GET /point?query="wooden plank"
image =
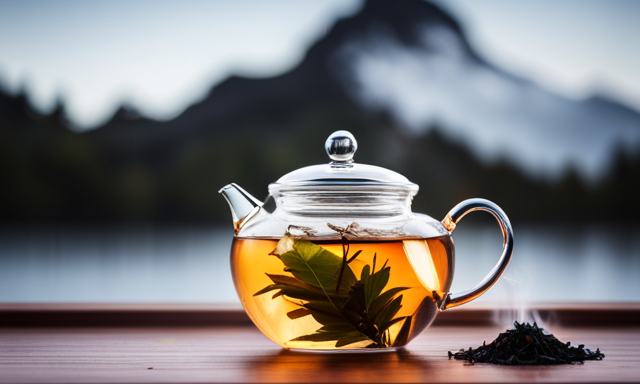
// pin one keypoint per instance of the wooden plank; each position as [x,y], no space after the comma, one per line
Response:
[242,354]
[93,315]
[74,315]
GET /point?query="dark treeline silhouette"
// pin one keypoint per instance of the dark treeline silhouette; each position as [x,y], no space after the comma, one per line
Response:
[54,175]
[252,131]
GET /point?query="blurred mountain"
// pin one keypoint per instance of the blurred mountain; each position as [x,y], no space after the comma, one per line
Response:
[399,75]
[434,75]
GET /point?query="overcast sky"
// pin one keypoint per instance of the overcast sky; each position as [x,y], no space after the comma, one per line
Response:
[161,56]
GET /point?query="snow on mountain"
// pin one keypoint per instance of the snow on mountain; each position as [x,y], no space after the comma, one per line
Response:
[439,79]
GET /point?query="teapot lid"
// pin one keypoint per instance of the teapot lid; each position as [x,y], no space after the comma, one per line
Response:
[342,172]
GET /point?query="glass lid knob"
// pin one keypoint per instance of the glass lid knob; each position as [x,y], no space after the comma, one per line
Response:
[341,146]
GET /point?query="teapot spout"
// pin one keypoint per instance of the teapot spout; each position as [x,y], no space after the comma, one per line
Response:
[243,205]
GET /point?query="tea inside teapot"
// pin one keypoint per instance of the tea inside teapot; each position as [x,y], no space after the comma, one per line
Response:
[342,292]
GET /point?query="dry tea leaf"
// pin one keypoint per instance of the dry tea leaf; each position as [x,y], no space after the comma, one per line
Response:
[527,344]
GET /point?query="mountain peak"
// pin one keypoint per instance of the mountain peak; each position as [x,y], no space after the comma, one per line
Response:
[402,20]
[405,15]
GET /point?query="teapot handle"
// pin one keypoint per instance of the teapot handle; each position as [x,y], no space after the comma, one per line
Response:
[450,222]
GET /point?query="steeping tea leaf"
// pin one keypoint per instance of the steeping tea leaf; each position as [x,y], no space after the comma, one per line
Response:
[383,320]
[382,300]
[403,335]
[373,284]
[350,338]
[349,310]
[293,288]
[315,265]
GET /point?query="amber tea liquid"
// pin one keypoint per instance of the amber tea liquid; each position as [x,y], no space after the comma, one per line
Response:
[424,266]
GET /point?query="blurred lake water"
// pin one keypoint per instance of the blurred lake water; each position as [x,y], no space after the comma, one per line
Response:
[189,265]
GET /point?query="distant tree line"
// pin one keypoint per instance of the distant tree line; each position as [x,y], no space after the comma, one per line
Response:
[122,172]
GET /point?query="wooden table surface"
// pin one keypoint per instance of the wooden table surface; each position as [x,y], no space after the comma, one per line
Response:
[243,354]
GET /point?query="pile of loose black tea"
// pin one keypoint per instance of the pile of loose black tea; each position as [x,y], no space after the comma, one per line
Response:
[526,344]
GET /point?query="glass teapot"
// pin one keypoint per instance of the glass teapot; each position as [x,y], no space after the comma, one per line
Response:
[342,262]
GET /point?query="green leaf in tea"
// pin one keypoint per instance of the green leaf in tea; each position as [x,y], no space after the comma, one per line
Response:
[315,265]
[349,310]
